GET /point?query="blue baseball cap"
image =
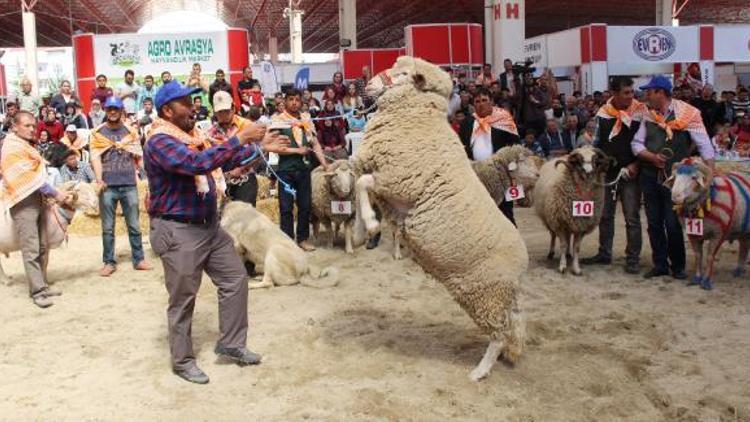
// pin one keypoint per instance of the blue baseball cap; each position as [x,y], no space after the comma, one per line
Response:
[658,82]
[172,91]
[113,102]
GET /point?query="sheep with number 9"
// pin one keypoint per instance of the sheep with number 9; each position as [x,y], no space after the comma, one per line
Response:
[715,208]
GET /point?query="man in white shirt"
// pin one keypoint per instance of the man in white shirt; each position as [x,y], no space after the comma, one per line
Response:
[128,92]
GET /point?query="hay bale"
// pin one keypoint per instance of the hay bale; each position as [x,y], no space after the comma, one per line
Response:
[142,186]
[269,208]
[84,225]
[726,166]
[264,188]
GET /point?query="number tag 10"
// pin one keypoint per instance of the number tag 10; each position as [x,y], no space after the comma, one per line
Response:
[514,193]
[694,226]
[583,208]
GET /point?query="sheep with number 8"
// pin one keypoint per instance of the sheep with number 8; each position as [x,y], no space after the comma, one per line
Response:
[569,198]
[715,208]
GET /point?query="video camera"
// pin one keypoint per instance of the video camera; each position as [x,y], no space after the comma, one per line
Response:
[524,68]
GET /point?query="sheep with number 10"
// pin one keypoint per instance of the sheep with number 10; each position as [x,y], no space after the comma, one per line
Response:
[716,208]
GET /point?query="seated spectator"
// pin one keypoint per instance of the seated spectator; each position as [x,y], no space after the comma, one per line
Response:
[552,142]
[7,122]
[331,132]
[587,136]
[357,122]
[723,140]
[51,125]
[255,96]
[44,142]
[255,114]
[96,115]
[458,118]
[330,94]
[556,112]
[200,112]
[73,141]
[351,100]
[73,169]
[741,134]
[338,86]
[530,142]
[570,130]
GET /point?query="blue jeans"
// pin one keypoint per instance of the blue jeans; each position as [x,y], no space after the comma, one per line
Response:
[127,196]
[664,229]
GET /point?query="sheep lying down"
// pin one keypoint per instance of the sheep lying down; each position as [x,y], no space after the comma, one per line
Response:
[415,168]
[258,240]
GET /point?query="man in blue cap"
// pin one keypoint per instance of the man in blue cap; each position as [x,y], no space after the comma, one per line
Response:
[185,231]
[116,156]
[671,130]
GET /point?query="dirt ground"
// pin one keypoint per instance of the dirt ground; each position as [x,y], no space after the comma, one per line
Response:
[387,343]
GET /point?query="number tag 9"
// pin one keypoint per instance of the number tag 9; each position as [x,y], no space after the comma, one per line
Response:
[514,193]
[583,208]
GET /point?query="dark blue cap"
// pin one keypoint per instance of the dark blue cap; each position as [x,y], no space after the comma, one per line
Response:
[113,102]
[658,82]
[171,91]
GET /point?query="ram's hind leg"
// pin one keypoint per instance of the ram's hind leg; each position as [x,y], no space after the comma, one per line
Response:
[564,247]
[575,249]
[552,238]
[488,361]
[4,279]
[742,257]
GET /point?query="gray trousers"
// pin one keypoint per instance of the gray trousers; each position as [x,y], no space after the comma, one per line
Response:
[186,251]
[629,192]
[28,218]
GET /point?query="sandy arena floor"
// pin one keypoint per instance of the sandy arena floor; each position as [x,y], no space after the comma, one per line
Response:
[387,344]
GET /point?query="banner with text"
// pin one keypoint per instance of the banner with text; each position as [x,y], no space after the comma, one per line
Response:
[155,53]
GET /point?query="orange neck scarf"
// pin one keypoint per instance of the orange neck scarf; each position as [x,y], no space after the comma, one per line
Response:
[635,112]
[499,119]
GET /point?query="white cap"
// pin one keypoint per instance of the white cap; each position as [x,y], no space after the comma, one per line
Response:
[71,128]
[222,101]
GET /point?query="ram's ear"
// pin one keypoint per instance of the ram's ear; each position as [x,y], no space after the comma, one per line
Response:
[512,166]
[669,182]
[419,81]
[700,181]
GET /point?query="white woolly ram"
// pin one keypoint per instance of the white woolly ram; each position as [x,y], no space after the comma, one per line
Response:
[409,162]
[336,185]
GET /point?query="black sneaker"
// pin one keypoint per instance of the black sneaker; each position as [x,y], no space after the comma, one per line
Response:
[656,272]
[679,275]
[597,259]
[632,268]
[240,355]
[194,375]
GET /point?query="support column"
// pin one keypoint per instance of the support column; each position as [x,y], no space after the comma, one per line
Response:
[295,31]
[505,31]
[665,12]
[348,23]
[29,43]
[273,48]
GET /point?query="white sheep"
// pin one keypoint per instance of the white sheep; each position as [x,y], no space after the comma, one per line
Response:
[717,208]
[573,184]
[260,241]
[510,166]
[333,201]
[415,167]
[56,218]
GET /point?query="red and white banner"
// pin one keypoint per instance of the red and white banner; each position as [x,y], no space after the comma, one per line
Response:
[505,31]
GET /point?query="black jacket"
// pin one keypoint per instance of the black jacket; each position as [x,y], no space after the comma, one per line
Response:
[500,138]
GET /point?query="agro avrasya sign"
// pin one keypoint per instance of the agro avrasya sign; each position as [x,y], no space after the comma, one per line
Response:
[155,53]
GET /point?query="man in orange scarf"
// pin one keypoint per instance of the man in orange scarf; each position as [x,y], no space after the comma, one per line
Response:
[670,132]
[486,131]
[617,121]
[24,188]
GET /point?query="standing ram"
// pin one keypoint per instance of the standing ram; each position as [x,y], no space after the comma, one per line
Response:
[414,166]
[569,199]
[333,201]
[716,209]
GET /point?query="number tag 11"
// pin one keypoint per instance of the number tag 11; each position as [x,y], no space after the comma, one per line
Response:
[694,226]
[583,208]
[514,193]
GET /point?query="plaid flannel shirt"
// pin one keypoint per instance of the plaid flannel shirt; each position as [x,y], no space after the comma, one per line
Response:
[171,167]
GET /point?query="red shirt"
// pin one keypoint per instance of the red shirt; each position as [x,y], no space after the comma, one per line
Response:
[55,129]
[101,94]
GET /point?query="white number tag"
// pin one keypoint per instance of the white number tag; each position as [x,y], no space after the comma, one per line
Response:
[341,207]
[514,193]
[694,226]
[583,208]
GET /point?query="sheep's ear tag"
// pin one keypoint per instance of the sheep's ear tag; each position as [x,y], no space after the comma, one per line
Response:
[512,166]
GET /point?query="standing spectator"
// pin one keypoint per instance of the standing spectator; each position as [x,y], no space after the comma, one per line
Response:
[63,98]
[708,106]
[52,126]
[115,157]
[362,84]
[247,82]
[486,78]
[552,142]
[194,81]
[196,73]
[166,77]
[96,115]
[147,115]
[686,133]
[725,111]
[219,84]
[148,90]
[508,79]
[533,105]
[73,117]
[331,132]
[200,112]
[330,95]
[338,86]
[294,169]
[127,91]
[26,99]
[741,105]
[75,170]
[351,100]
[12,109]
[486,131]
[102,91]
[556,111]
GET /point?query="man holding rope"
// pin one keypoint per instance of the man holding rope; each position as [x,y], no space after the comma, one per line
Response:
[185,229]
[617,122]
[671,130]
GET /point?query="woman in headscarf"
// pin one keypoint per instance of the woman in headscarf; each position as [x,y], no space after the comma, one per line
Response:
[331,132]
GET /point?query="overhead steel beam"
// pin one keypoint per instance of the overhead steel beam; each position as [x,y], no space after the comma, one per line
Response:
[95,11]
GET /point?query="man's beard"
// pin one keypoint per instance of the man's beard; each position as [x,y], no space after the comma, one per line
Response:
[186,125]
[558,112]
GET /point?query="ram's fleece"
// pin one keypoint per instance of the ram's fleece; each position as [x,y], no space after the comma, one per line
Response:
[512,165]
[335,185]
[578,176]
[413,164]
[258,240]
